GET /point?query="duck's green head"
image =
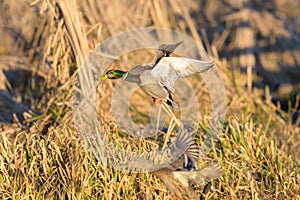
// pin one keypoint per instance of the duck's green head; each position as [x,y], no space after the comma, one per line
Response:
[113,74]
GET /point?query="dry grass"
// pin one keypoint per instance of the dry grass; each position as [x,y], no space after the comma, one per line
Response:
[41,154]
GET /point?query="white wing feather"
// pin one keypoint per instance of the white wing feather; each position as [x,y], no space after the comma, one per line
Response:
[170,68]
[186,66]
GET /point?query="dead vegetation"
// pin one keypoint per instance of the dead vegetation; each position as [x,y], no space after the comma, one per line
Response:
[256,46]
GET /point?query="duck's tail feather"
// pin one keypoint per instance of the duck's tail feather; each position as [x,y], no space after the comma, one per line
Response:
[171,102]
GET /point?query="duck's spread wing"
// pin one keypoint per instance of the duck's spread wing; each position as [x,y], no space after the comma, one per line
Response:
[165,50]
[170,68]
[169,48]
[186,66]
[212,171]
[183,140]
[199,177]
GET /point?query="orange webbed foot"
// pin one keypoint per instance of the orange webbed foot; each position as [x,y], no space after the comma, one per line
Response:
[157,101]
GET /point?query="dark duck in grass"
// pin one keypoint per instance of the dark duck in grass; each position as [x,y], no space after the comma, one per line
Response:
[176,176]
[158,79]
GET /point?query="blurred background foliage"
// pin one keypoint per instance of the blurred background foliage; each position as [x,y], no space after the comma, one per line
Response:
[256,45]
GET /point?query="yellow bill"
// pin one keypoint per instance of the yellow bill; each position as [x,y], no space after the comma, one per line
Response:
[104,77]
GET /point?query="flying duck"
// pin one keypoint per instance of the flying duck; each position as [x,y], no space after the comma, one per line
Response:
[176,176]
[158,79]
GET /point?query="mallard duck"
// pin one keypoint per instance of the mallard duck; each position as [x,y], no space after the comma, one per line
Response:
[158,79]
[175,176]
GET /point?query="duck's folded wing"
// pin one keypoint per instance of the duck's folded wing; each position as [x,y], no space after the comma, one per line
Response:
[170,68]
